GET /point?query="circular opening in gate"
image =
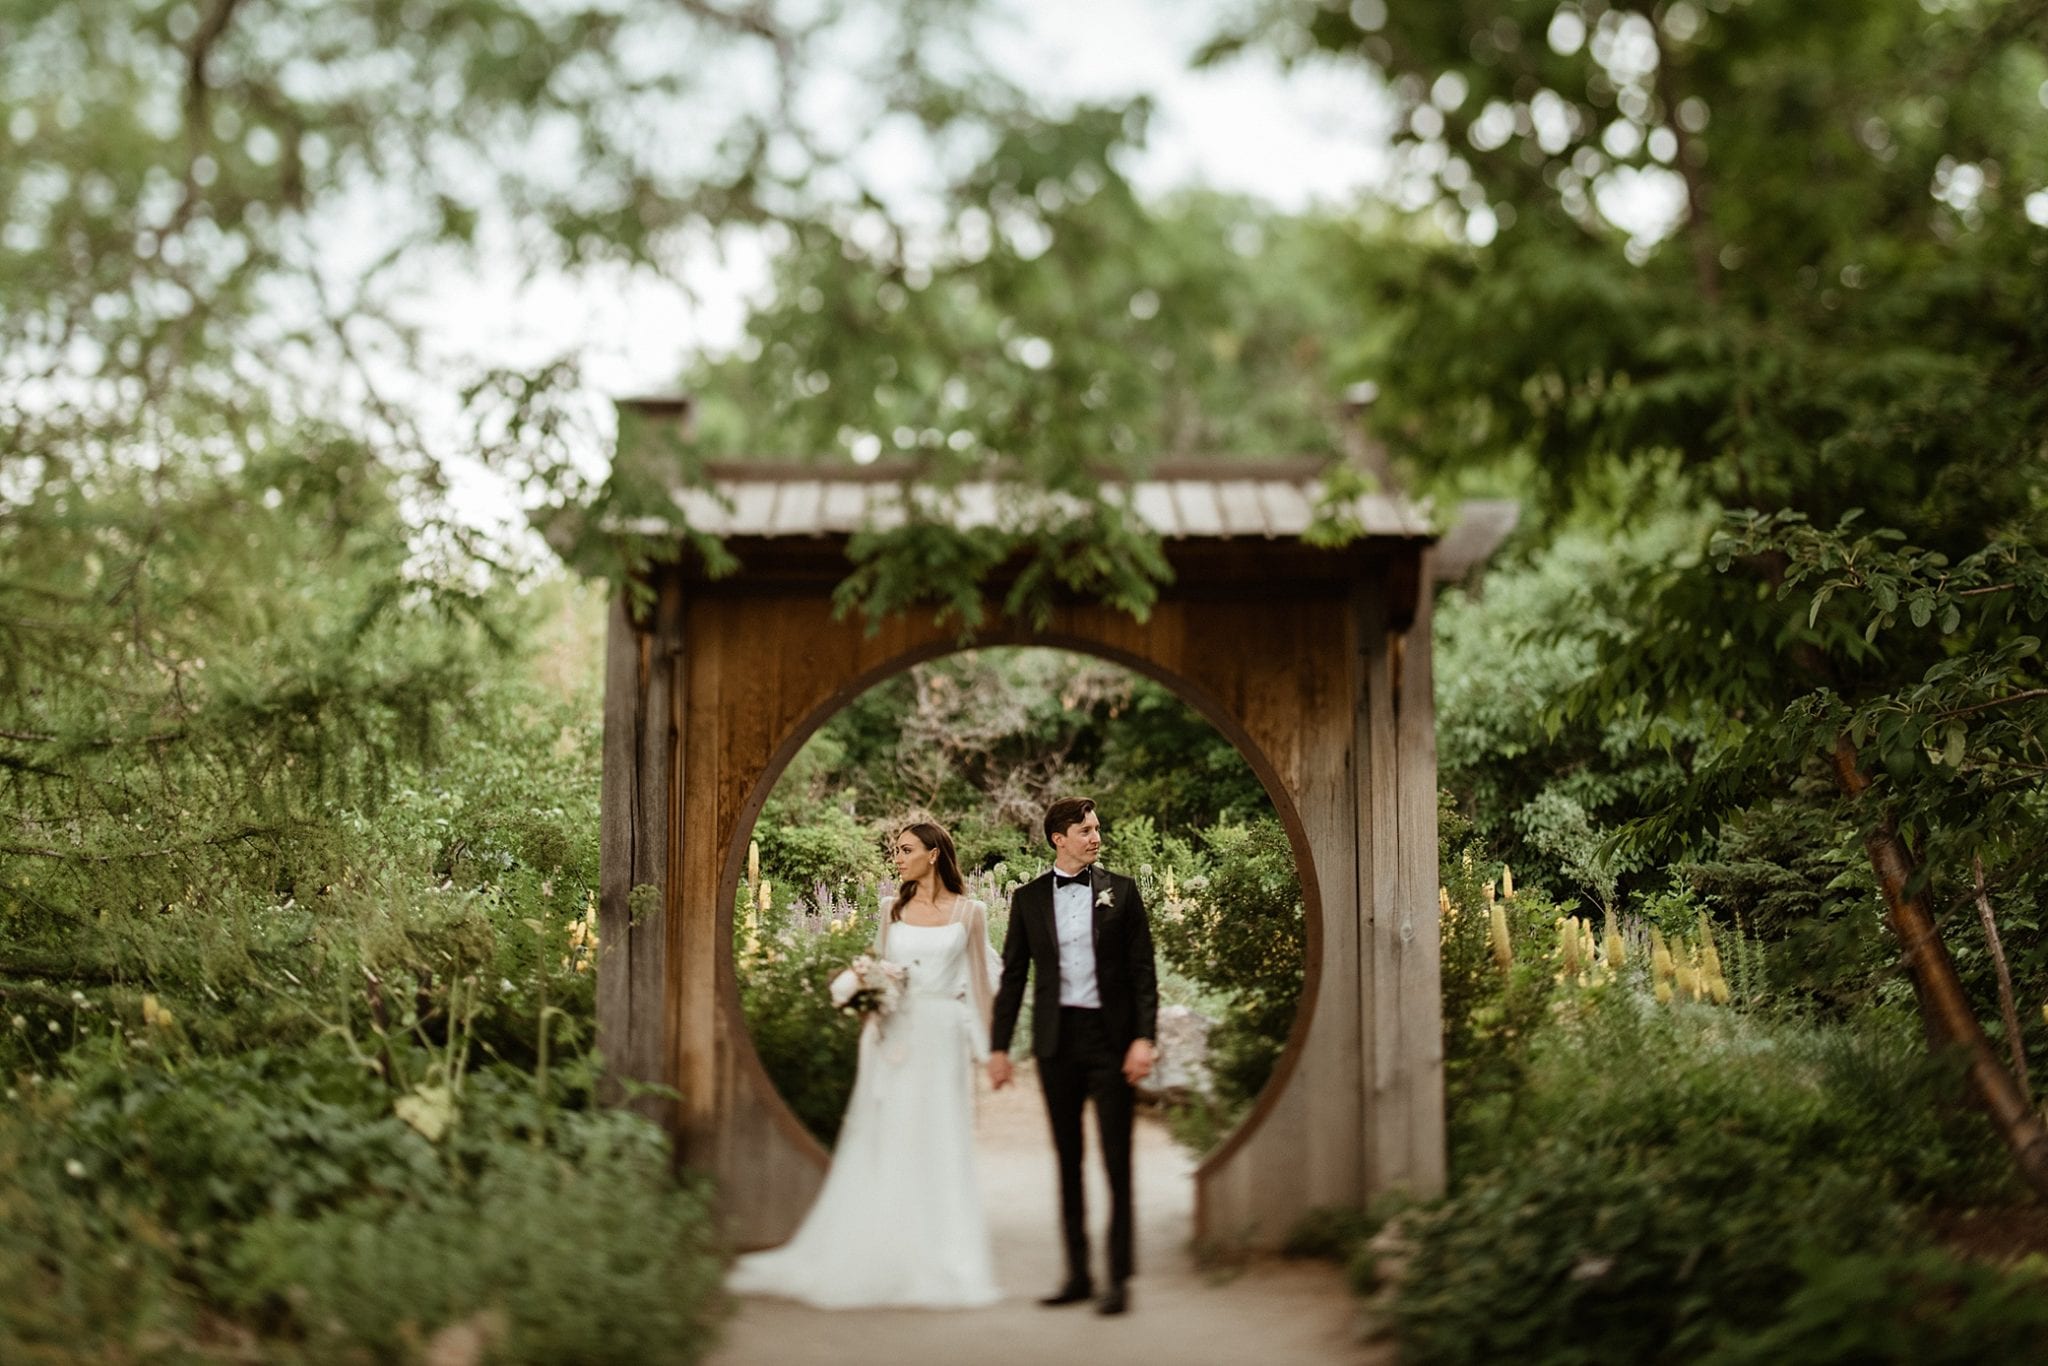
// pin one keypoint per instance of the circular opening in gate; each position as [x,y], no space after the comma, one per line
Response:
[982,741]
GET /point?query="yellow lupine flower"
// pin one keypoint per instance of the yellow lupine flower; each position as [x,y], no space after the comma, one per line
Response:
[1503,947]
[1568,944]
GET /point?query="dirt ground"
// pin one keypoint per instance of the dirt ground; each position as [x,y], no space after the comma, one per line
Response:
[1272,1312]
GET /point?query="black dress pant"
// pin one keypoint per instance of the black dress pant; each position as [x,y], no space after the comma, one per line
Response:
[1085,1066]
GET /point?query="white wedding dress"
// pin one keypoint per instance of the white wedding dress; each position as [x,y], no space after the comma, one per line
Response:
[899,1221]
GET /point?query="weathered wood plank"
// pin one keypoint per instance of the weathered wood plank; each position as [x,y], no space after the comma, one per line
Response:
[1243,513]
[753,507]
[1419,1015]
[797,508]
[1333,1157]
[691,1000]
[655,845]
[1382,1082]
[845,505]
[617,829]
[1290,702]
[1199,513]
[1154,507]
[1288,510]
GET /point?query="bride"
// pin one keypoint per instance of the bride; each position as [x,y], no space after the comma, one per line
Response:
[899,1220]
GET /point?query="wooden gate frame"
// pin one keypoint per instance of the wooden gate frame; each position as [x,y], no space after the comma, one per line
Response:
[1316,663]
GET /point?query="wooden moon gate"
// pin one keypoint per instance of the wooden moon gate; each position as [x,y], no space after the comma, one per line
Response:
[1316,664]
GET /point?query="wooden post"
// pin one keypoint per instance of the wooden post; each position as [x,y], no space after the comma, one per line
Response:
[636,847]
[1402,1018]
[1418,1010]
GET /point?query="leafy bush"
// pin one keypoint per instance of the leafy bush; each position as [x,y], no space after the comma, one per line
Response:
[1238,929]
[148,1192]
[1924,1308]
[588,1251]
[85,1276]
[1654,1173]
[808,1048]
[206,1144]
[808,832]
[1491,1016]
[1587,1251]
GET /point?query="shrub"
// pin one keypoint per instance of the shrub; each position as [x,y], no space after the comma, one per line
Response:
[86,1276]
[205,1144]
[817,843]
[144,1193]
[1239,930]
[1654,1174]
[1589,1252]
[1923,1308]
[808,1048]
[588,1251]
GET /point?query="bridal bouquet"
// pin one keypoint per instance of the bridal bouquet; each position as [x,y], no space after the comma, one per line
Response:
[870,986]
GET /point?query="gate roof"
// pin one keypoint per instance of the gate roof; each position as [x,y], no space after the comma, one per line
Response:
[1210,500]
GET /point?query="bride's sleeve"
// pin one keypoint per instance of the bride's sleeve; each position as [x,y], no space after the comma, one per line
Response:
[983,971]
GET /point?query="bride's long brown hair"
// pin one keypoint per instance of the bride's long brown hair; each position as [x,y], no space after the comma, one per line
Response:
[933,836]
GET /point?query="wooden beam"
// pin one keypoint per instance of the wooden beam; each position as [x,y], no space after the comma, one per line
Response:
[1417,1011]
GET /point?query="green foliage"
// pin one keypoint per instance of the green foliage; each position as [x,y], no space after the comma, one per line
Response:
[527,1251]
[1333,1231]
[808,1048]
[1662,1175]
[284,1187]
[207,1144]
[809,835]
[1923,1307]
[1162,758]
[1238,929]
[991,737]
[1491,1017]
[1575,1252]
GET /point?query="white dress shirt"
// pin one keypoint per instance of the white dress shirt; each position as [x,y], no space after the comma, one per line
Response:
[1073,914]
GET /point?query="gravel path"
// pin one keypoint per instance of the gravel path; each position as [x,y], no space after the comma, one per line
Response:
[1272,1312]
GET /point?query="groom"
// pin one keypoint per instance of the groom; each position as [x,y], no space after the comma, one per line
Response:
[1093,1013]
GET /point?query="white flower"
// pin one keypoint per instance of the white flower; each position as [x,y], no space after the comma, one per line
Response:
[870,984]
[1103,897]
[74,1169]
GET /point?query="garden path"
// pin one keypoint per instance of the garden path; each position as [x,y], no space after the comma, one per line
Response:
[1272,1312]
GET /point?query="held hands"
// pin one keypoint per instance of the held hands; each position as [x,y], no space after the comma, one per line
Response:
[1138,1063]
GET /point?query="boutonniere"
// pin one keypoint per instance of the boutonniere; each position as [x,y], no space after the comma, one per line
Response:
[1104,897]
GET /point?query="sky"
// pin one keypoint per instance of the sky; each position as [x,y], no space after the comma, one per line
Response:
[1317,134]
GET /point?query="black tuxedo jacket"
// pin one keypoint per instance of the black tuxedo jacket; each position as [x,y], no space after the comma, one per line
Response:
[1126,977]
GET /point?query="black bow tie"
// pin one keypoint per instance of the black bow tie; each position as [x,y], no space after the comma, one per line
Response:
[1060,879]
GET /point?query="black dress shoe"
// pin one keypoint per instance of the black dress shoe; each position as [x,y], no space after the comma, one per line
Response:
[1113,1300]
[1073,1292]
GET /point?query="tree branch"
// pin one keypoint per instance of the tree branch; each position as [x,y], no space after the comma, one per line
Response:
[2006,1008]
[2030,695]
[120,855]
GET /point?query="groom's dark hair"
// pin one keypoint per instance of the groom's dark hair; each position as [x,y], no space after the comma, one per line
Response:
[1064,814]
